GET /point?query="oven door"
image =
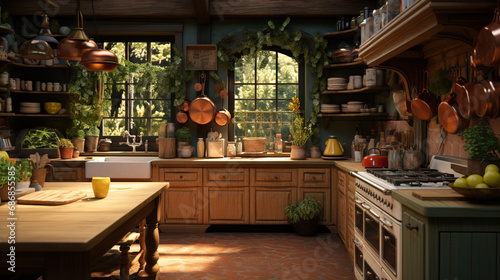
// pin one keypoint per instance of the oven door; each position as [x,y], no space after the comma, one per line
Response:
[358,215]
[391,246]
[372,227]
[359,258]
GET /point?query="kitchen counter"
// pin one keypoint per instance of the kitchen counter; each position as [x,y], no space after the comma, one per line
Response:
[448,208]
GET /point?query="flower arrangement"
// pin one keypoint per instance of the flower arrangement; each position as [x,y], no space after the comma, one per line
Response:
[299,130]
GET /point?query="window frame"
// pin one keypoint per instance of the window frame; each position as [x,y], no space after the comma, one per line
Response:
[301,85]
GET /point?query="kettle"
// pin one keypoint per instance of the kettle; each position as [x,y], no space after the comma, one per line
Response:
[374,160]
[333,147]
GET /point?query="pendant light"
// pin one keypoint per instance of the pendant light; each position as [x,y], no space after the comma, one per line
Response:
[45,33]
[99,59]
[77,42]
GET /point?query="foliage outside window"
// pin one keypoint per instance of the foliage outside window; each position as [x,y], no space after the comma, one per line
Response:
[133,99]
[264,85]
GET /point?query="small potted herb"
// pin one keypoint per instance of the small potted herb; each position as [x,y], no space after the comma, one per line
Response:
[183,137]
[66,148]
[42,140]
[78,139]
[92,139]
[482,144]
[304,216]
[9,175]
[24,170]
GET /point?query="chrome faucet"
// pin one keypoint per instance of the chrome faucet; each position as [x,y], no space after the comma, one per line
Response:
[132,144]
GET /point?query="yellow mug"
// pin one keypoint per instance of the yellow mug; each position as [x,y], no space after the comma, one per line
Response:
[100,186]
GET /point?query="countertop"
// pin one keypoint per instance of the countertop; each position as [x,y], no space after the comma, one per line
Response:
[448,208]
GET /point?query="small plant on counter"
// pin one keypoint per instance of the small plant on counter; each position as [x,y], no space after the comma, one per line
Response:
[299,129]
[65,143]
[482,142]
[6,166]
[40,138]
[92,131]
[183,134]
[24,169]
[304,216]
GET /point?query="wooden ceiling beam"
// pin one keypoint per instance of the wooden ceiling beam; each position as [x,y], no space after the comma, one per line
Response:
[202,12]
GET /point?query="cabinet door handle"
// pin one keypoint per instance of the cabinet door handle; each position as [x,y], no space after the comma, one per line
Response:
[223,176]
[180,176]
[410,227]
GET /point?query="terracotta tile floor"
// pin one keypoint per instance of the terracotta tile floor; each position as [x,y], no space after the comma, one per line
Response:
[253,255]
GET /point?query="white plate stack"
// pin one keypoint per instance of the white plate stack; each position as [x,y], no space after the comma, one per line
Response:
[330,108]
[336,83]
[354,106]
[29,107]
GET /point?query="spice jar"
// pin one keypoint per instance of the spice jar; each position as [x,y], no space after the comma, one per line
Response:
[231,149]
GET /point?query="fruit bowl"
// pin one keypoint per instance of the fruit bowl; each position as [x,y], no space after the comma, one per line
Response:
[478,194]
[52,107]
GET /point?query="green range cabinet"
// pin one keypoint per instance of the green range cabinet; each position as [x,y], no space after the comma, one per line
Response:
[449,239]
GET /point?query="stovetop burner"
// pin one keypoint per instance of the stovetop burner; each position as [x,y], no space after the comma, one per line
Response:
[411,177]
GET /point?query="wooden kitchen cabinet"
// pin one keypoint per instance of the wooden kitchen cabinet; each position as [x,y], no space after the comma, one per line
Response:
[449,239]
[226,195]
[341,191]
[322,195]
[267,204]
[67,171]
[276,177]
[314,177]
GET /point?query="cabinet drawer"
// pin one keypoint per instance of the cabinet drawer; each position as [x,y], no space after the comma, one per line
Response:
[274,177]
[226,177]
[181,177]
[314,177]
[341,181]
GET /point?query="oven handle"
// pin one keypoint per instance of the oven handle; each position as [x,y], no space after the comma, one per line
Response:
[356,200]
[386,222]
[356,242]
[376,186]
[364,205]
[375,214]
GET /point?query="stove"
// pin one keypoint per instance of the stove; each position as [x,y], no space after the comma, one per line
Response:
[378,216]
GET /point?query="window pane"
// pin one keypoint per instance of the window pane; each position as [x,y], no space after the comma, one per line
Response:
[288,69]
[266,92]
[244,92]
[266,65]
[160,53]
[117,48]
[244,105]
[138,52]
[266,105]
[244,70]
[155,125]
[160,108]
[287,92]
[283,105]
[113,127]
[141,124]
[140,109]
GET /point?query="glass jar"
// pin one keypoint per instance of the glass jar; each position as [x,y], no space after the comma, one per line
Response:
[200,148]
[376,21]
[231,149]
[170,130]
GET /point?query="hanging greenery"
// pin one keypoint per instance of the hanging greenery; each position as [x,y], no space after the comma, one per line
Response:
[303,48]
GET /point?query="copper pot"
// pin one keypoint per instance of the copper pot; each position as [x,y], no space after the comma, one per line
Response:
[181,117]
[449,115]
[487,50]
[223,117]
[425,106]
[465,98]
[484,91]
[202,109]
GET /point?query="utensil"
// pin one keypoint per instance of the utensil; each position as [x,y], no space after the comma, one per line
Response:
[425,105]
[449,115]
[374,160]
[394,159]
[487,50]
[484,92]
[412,159]
[202,109]
[181,116]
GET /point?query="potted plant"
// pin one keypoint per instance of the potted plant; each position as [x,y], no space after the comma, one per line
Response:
[77,137]
[42,140]
[92,139]
[66,148]
[482,144]
[24,170]
[9,176]
[300,131]
[183,137]
[304,216]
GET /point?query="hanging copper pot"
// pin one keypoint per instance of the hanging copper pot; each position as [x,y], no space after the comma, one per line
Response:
[465,99]
[223,117]
[185,104]
[487,50]
[484,91]
[181,116]
[202,109]
[425,106]
[450,117]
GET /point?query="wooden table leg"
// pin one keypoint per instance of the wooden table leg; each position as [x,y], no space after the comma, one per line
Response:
[151,255]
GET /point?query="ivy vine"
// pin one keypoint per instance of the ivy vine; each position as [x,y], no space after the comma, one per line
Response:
[311,51]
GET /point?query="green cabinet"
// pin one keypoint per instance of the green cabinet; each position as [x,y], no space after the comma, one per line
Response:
[446,241]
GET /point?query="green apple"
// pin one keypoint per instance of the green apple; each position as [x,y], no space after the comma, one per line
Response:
[491,167]
[461,183]
[474,179]
[492,179]
[482,186]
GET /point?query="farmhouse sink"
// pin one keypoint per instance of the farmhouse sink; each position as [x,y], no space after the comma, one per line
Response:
[119,167]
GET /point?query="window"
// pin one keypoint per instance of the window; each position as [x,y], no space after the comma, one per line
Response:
[130,103]
[263,88]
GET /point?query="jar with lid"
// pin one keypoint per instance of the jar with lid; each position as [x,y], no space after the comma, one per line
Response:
[239,146]
[376,21]
[278,144]
[200,148]
[369,27]
[170,130]
[231,149]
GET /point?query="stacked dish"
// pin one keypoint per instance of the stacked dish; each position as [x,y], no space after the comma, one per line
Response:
[330,108]
[354,106]
[336,83]
[29,107]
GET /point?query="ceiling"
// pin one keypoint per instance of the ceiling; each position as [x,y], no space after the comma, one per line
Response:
[204,11]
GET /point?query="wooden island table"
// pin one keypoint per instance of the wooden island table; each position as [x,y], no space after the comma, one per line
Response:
[63,241]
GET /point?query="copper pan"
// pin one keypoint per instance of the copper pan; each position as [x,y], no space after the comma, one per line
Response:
[185,104]
[425,106]
[202,109]
[223,117]
[465,99]
[485,94]
[181,116]
[449,115]
[487,50]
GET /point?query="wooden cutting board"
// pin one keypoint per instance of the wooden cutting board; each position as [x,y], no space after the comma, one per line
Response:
[51,197]
[438,194]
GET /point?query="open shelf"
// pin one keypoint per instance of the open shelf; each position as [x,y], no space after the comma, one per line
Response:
[6,30]
[350,33]
[4,89]
[359,90]
[354,64]
[36,115]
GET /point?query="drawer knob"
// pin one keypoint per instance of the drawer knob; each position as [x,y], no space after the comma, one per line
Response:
[276,178]
[223,176]
[180,176]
